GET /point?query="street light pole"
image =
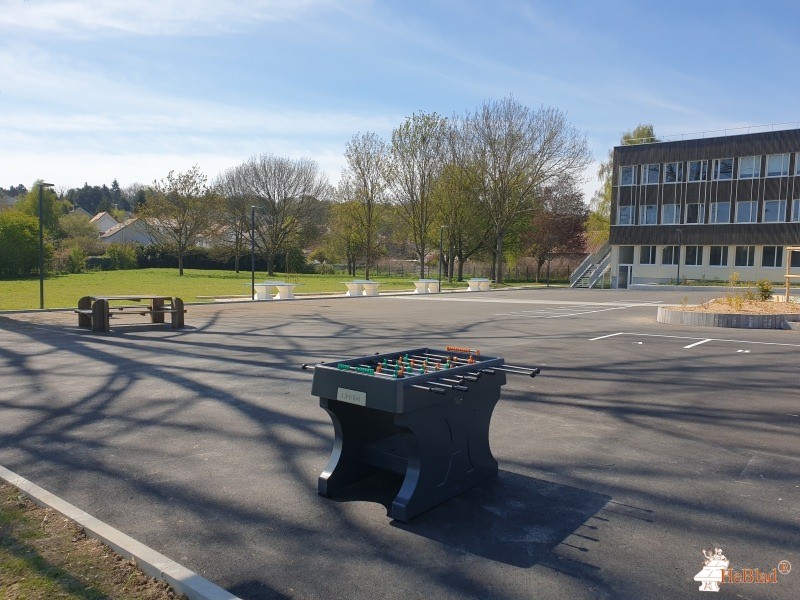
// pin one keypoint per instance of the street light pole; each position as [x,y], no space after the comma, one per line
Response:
[252,252]
[42,184]
[441,257]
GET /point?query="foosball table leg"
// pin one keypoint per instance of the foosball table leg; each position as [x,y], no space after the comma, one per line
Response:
[354,429]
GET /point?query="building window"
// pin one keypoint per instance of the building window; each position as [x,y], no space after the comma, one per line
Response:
[647,255]
[648,214]
[698,170]
[746,212]
[650,174]
[669,255]
[796,172]
[795,211]
[795,260]
[670,214]
[694,256]
[774,211]
[626,255]
[673,172]
[772,256]
[720,212]
[723,169]
[695,213]
[743,256]
[626,215]
[749,167]
[777,165]
[718,256]
[627,175]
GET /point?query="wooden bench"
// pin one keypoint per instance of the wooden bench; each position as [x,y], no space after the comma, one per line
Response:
[96,311]
[361,287]
[426,286]
[479,284]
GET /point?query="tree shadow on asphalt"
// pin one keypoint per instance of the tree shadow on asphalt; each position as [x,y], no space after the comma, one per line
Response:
[516,520]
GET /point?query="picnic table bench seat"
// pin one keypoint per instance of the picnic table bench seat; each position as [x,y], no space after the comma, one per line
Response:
[96,311]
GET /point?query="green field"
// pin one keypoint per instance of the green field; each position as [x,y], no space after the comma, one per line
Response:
[63,291]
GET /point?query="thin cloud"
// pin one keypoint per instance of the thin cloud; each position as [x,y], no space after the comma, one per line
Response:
[149,17]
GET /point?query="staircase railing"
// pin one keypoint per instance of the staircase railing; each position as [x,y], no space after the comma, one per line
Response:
[602,269]
[601,253]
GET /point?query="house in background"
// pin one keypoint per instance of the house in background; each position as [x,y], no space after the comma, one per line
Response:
[104,221]
[132,230]
[80,211]
[704,208]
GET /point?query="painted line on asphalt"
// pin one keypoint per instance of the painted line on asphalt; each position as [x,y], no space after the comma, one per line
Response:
[153,563]
[703,340]
[697,343]
[603,337]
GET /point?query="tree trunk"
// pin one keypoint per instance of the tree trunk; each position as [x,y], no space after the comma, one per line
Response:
[270,264]
[498,275]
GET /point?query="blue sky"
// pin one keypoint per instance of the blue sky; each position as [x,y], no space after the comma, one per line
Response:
[92,90]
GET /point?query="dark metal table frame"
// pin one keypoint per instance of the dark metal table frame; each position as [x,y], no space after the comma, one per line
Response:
[439,441]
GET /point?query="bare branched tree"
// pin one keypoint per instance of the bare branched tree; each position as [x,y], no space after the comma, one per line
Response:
[516,151]
[417,157]
[234,212]
[282,189]
[364,183]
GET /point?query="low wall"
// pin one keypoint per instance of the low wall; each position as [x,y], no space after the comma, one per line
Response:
[675,316]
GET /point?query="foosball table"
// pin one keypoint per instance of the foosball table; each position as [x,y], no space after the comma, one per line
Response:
[421,413]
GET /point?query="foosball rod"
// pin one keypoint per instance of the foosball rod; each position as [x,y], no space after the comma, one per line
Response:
[307,367]
[469,376]
[515,369]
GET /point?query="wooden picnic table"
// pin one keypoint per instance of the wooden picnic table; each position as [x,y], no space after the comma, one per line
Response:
[95,311]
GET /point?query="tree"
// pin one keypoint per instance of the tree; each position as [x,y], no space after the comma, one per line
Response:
[52,207]
[364,182]
[343,238]
[417,157]
[235,203]
[19,243]
[517,151]
[282,190]
[557,224]
[599,221]
[179,210]
[458,207]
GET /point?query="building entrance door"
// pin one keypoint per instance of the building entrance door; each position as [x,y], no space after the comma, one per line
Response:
[623,276]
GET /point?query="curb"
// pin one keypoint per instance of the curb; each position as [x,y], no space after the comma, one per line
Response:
[675,316]
[153,563]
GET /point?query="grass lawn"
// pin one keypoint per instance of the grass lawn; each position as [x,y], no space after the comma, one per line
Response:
[63,291]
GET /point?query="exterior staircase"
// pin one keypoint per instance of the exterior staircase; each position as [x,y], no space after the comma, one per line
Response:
[592,269]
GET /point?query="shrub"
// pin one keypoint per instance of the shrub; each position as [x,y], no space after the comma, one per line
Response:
[765,288]
[69,260]
[122,256]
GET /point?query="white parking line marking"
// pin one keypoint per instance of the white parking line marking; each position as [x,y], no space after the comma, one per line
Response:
[697,343]
[686,337]
[603,337]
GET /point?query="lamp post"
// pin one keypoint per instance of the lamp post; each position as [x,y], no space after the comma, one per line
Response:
[441,256]
[42,184]
[252,252]
[680,233]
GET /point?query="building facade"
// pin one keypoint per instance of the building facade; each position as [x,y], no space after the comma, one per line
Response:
[702,209]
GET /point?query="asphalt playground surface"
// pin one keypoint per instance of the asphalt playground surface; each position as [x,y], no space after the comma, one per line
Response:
[638,446]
